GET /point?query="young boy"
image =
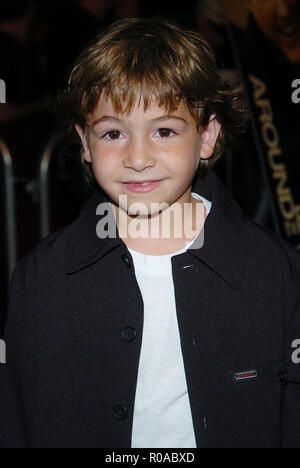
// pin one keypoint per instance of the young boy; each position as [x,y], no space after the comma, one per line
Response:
[168,338]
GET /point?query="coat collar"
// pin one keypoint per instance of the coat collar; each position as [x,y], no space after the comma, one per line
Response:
[225,249]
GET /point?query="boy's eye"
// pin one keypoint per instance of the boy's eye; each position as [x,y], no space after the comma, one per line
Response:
[112,134]
[165,132]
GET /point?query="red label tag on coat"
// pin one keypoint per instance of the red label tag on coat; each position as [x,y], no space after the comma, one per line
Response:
[245,375]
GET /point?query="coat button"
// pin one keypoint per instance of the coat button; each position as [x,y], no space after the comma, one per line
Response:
[120,412]
[129,334]
[126,260]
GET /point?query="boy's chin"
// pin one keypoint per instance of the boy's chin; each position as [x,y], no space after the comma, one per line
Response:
[140,210]
[142,213]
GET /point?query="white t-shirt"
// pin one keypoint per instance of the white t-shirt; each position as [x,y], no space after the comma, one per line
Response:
[162,414]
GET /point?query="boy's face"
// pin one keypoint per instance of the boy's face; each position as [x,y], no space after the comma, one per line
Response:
[145,146]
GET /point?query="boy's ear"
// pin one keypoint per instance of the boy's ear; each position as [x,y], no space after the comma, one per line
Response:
[82,135]
[209,137]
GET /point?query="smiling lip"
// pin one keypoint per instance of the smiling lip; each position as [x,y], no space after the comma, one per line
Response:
[137,187]
[141,181]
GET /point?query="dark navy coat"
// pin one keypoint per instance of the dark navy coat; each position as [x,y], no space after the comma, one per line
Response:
[75,324]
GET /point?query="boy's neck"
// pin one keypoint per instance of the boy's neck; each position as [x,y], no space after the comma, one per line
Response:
[178,236]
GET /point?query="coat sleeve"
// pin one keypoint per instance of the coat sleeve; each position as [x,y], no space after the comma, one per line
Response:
[291,380]
[18,374]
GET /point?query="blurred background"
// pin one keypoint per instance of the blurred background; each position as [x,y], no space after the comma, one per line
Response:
[257,44]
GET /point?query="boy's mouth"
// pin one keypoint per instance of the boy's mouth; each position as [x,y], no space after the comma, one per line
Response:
[137,182]
[142,186]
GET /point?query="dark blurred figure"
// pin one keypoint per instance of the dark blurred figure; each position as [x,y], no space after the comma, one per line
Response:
[279,21]
[69,27]
[268,47]
[183,13]
[20,66]
[126,8]
[211,24]
[275,26]
[74,23]
[21,124]
[25,119]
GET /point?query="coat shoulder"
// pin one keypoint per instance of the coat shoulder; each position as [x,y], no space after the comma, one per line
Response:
[274,248]
[45,258]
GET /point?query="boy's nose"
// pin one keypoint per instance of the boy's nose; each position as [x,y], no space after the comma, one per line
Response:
[138,156]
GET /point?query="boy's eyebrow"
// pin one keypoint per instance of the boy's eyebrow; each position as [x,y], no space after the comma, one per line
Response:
[169,117]
[105,118]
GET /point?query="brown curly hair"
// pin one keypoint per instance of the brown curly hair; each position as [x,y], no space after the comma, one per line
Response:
[138,58]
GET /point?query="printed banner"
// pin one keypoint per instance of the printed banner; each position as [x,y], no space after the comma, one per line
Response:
[265,37]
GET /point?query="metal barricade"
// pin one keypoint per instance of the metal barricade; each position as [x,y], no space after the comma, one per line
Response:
[46,157]
[9,207]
